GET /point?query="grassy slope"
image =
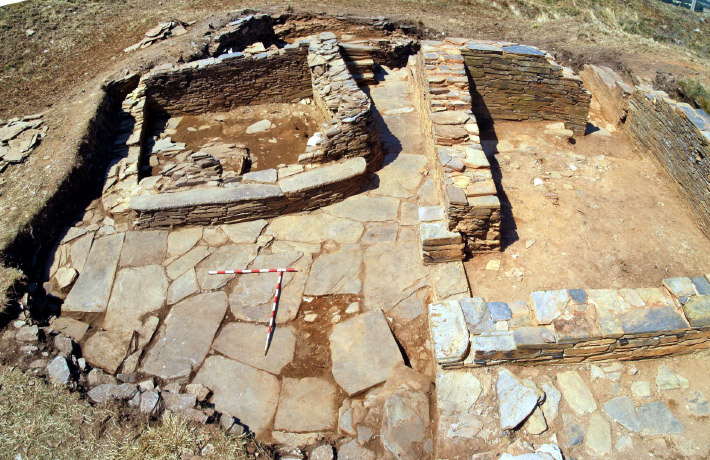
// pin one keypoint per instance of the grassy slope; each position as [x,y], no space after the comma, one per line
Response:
[40,422]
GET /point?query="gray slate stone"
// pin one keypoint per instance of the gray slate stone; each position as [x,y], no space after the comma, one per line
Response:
[383,264]
[647,320]
[573,430]
[108,349]
[656,418]
[245,232]
[58,371]
[244,342]
[500,311]
[187,261]
[697,311]
[456,391]
[144,248]
[183,239]
[92,289]
[353,451]
[552,401]
[306,405]
[548,305]
[366,208]
[477,315]
[317,178]
[405,424]
[186,336]
[516,400]
[448,331]
[316,228]
[137,291]
[249,394]
[698,404]
[185,285]
[335,273]
[623,412]
[228,257]
[363,352]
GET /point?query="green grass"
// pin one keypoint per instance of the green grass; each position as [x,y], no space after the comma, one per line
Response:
[41,422]
[696,91]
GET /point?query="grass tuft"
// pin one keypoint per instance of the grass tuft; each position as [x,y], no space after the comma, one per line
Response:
[695,91]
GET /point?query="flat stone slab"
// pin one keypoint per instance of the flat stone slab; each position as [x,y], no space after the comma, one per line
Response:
[108,349]
[450,117]
[386,282]
[92,289]
[317,178]
[477,316]
[516,399]
[245,232]
[204,196]
[656,418]
[405,424]
[548,305]
[249,394]
[363,352]
[576,392]
[598,437]
[306,405]
[316,228]
[697,311]
[623,412]
[186,336]
[227,257]
[365,208]
[680,287]
[183,239]
[136,291]
[648,320]
[335,273]
[448,331]
[244,342]
[251,297]
[456,391]
[70,327]
[185,285]
[400,176]
[144,248]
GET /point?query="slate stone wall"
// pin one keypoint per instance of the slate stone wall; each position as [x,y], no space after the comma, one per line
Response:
[239,34]
[609,90]
[678,137]
[515,82]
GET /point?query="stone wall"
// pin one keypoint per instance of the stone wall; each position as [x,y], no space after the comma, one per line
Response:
[609,90]
[515,82]
[451,137]
[679,138]
[575,325]
[257,197]
[229,81]
[239,34]
[350,130]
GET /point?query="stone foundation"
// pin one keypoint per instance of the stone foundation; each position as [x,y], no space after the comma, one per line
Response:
[574,325]
[516,82]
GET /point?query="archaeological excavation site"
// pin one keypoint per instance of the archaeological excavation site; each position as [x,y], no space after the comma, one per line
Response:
[449,248]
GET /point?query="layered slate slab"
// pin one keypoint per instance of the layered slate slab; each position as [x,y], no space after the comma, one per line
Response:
[335,273]
[92,289]
[144,248]
[244,342]
[697,310]
[186,336]
[249,394]
[136,292]
[306,405]
[108,349]
[449,332]
[363,351]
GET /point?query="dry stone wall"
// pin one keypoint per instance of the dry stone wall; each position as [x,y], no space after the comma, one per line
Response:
[609,89]
[516,82]
[462,170]
[239,34]
[574,325]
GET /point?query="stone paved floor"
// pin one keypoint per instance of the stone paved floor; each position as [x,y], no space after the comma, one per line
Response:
[154,310]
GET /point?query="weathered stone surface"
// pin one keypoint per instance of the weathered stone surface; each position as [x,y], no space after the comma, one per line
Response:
[450,117]
[405,424]
[65,277]
[656,418]
[234,256]
[400,176]
[245,232]
[477,315]
[500,311]
[80,249]
[58,371]
[680,287]
[641,389]
[149,402]
[449,279]
[313,180]
[249,394]
[456,391]
[697,311]
[598,436]
[366,208]
[70,327]
[184,286]
[259,127]
[108,349]
[548,305]
[552,400]
[698,404]
[534,337]
[91,291]
[316,228]
[437,234]
[666,379]
[353,451]
[383,263]
[183,239]
[187,261]
[137,291]
[576,392]
[322,452]
[623,412]
[363,351]
[573,430]
[243,342]
[645,320]
[536,424]
[214,236]
[144,248]
[335,273]
[516,399]
[306,405]
[178,402]
[186,336]
[448,331]
[201,196]
[252,296]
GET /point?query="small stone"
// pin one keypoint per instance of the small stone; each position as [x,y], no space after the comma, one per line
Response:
[529,243]
[666,379]
[70,327]
[493,265]
[65,277]
[322,452]
[363,434]
[597,372]
[698,404]
[536,423]
[58,370]
[622,410]
[353,308]
[516,399]
[598,436]
[149,402]
[576,392]
[27,334]
[64,345]
[624,443]
[353,451]
[199,391]
[178,402]
[657,419]
[259,127]
[552,400]
[573,430]
[641,389]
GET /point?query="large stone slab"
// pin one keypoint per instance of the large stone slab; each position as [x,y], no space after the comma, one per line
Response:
[598,436]
[245,232]
[249,394]
[697,311]
[656,418]
[185,285]
[623,412]
[80,251]
[108,349]
[306,405]
[649,320]
[576,392]
[137,291]
[405,424]
[363,352]
[186,336]
[335,273]
[251,297]
[316,178]
[366,208]
[449,279]
[187,261]
[93,287]
[144,248]
[456,391]
[245,343]
[400,176]
[204,196]
[387,282]
[316,228]
[516,399]
[548,305]
[183,239]
[228,257]
[448,331]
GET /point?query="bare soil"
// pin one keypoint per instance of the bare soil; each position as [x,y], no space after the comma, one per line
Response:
[605,217]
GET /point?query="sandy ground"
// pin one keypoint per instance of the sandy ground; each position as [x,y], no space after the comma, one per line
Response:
[605,217]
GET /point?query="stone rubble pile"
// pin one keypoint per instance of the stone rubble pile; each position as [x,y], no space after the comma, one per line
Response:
[241,33]
[19,137]
[172,28]
[575,325]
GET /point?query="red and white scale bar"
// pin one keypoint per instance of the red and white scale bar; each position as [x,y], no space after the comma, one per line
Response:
[280,271]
